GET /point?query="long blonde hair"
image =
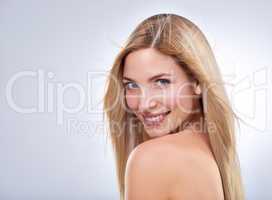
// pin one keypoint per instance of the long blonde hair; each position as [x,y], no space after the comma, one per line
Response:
[179,38]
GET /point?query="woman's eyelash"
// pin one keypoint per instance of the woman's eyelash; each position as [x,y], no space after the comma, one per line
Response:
[163,81]
[166,81]
[126,84]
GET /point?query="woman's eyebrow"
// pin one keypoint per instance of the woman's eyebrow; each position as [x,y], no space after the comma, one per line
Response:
[152,78]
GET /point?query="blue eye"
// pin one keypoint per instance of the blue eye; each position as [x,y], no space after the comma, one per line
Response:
[130,85]
[163,81]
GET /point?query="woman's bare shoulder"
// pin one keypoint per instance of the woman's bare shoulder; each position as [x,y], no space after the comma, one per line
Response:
[175,166]
[174,149]
[149,171]
[175,146]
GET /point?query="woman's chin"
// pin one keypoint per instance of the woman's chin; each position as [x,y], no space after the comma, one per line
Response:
[153,133]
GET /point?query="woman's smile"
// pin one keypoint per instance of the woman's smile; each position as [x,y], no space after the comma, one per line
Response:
[152,92]
[155,120]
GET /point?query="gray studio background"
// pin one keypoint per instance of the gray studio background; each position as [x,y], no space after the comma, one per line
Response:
[53,58]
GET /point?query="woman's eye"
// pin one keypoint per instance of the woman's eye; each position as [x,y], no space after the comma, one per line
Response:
[130,85]
[163,81]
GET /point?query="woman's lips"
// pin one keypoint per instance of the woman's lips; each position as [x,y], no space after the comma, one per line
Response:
[155,120]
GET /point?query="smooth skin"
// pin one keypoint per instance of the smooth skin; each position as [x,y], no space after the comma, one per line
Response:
[170,165]
[173,92]
[174,167]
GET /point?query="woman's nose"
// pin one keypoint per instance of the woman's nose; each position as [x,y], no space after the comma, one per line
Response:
[147,102]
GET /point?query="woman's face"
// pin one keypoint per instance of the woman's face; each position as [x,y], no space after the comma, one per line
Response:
[157,91]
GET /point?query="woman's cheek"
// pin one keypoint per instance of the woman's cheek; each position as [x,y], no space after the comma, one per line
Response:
[132,102]
[169,101]
[179,99]
[184,100]
[172,97]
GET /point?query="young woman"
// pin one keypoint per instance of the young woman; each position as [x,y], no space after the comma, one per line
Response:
[170,121]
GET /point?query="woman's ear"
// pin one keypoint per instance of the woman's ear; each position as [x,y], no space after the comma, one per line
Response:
[197,88]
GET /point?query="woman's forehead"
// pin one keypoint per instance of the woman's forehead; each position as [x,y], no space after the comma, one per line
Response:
[149,62]
[143,64]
